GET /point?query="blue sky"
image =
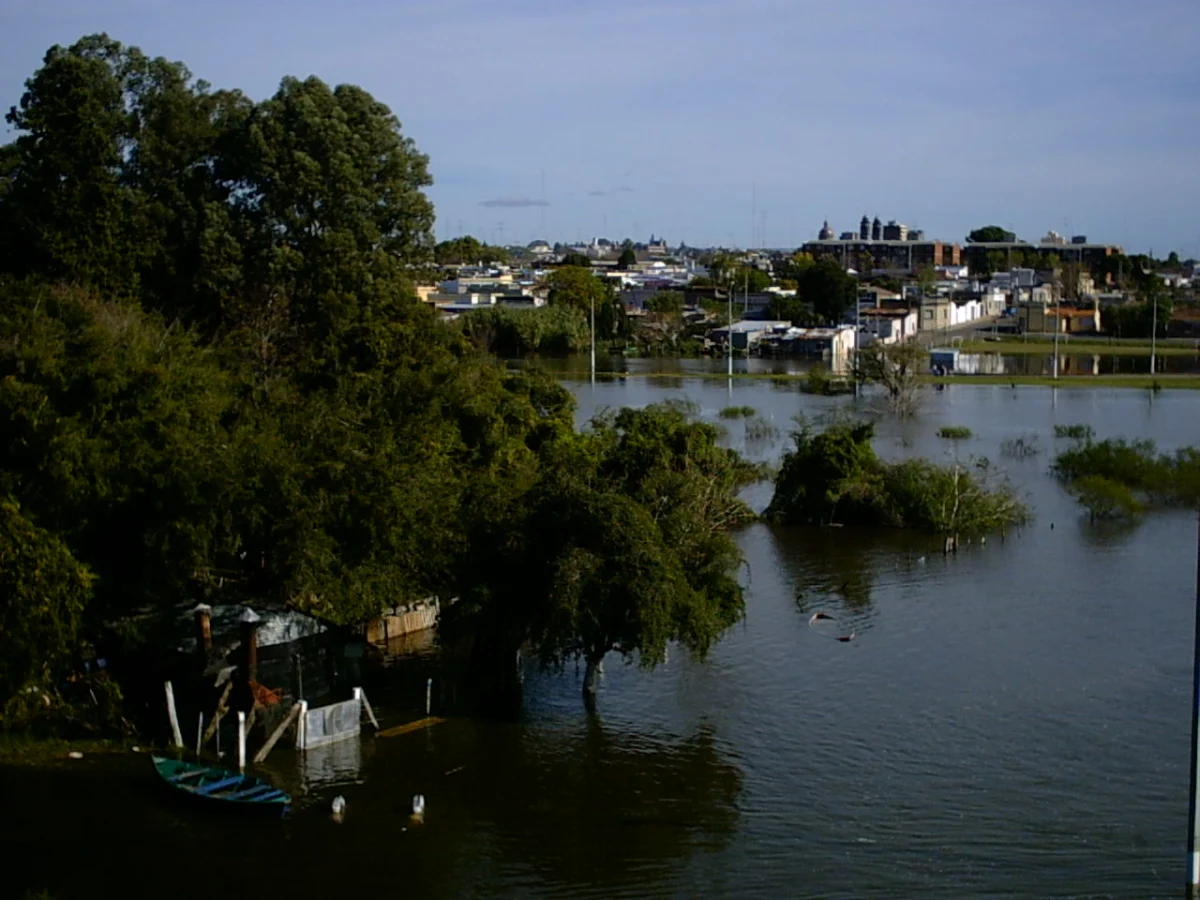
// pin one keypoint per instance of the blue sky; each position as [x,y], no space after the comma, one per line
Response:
[723,122]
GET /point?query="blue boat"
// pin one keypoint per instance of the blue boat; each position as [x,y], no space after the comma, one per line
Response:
[221,786]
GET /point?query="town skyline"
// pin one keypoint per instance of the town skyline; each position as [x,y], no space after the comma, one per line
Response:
[739,126]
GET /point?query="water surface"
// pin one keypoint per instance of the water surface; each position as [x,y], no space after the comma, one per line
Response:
[1012,721]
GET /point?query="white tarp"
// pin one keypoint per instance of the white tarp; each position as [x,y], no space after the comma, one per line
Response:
[327,724]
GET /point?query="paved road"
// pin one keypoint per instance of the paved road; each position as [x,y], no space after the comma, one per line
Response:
[943,336]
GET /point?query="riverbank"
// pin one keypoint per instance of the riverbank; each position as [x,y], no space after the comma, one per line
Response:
[22,750]
[1040,347]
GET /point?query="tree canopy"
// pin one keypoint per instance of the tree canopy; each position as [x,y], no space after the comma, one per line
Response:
[833,476]
[828,289]
[467,250]
[216,383]
[623,545]
[988,234]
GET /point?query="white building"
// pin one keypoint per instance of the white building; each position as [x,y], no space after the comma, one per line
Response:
[888,326]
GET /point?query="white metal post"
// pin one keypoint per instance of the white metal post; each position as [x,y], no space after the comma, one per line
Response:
[1194,794]
[178,738]
[1153,332]
[241,742]
[729,331]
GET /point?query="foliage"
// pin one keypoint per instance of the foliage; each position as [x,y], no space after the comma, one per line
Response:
[216,383]
[623,545]
[665,304]
[627,258]
[467,250]
[1104,498]
[828,289]
[1020,447]
[988,234]
[954,432]
[575,260]
[509,333]
[759,429]
[45,591]
[1138,467]
[794,267]
[1140,320]
[834,476]
[737,412]
[792,309]
[897,368]
[578,288]
[1078,432]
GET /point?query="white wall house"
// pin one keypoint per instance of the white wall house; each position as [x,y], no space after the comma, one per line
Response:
[888,326]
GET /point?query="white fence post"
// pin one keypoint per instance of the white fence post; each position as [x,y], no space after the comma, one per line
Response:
[171,714]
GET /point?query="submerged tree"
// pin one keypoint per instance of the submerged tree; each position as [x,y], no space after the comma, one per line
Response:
[897,368]
[834,477]
[623,545]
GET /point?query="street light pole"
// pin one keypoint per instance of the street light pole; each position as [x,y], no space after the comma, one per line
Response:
[1153,331]
[1194,794]
[593,339]
[1057,326]
[729,331]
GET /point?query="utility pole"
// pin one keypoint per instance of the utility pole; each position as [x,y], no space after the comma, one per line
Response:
[1153,329]
[729,330]
[854,359]
[1194,794]
[1057,326]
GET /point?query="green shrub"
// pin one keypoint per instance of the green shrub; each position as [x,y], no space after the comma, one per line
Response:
[1136,466]
[737,412]
[1075,432]
[1106,499]
[1021,447]
[954,432]
[835,476]
[759,429]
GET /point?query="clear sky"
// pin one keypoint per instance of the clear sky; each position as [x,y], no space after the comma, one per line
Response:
[742,123]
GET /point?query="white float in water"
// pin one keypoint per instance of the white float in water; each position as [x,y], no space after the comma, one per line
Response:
[418,805]
[339,805]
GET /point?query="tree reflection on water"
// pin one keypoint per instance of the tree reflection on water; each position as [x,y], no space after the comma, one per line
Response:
[611,809]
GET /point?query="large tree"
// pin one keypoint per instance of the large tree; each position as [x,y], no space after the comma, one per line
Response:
[622,546]
[828,289]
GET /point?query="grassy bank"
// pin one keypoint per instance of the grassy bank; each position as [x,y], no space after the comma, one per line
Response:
[23,750]
[1104,348]
[1143,381]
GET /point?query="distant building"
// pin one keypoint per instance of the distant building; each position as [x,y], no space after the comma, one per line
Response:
[864,229]
[826,233]
[899,256]
[877,230]
[889,326]
[895,231]
[978,254]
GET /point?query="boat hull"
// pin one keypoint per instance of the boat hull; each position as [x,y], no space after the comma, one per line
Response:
[218,788]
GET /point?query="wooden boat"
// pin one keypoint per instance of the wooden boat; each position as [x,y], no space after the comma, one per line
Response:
[222,786]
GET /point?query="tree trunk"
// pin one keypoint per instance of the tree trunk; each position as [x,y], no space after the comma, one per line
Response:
[591,679]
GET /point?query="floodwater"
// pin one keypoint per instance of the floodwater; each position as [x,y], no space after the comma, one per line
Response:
[1012,721]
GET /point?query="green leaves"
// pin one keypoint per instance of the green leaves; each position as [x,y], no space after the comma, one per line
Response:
[44,591]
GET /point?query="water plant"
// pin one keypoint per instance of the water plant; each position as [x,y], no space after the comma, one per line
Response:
[1074,432]
[759,429]
[1020,447]
[834,477]
[954,432]
[737,412]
